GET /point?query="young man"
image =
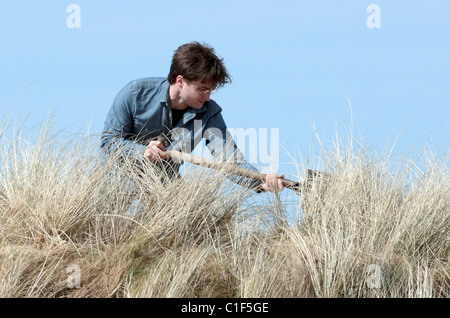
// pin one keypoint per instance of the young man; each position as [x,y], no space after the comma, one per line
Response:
[179,108]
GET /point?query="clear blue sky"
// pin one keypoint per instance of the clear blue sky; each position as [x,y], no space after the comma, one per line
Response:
[292,63]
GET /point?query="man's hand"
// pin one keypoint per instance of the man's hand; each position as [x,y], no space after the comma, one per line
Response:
[156,151]
[273,183]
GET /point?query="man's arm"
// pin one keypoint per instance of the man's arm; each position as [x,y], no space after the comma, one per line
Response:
[117,132]
[224,149]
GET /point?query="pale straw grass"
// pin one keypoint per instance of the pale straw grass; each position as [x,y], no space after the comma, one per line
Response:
[372,228]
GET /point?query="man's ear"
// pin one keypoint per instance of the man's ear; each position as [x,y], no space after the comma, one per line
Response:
[179,80]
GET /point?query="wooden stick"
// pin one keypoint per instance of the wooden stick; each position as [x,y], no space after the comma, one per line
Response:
[227,167]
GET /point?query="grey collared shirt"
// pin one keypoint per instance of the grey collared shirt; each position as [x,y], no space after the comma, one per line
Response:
[141,112]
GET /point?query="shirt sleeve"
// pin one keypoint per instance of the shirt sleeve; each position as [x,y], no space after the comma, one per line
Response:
[223,148]
[117,131]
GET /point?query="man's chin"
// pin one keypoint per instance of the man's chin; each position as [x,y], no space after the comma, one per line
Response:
[197,105]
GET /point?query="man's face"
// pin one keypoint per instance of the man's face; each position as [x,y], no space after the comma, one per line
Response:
[196,93]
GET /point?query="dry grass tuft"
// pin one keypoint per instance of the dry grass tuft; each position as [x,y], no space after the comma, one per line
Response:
[368,230]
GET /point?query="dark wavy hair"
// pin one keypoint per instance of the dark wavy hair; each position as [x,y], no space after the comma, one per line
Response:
[198,62]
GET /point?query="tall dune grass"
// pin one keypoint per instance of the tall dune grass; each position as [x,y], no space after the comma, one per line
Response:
[370,229]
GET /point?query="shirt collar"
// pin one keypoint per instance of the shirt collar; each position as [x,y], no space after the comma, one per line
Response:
[164,92]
